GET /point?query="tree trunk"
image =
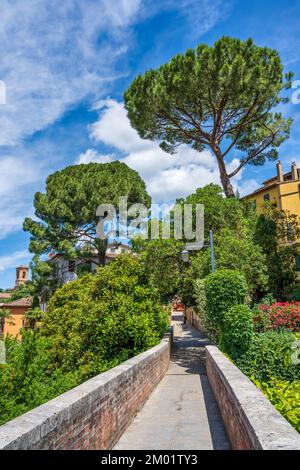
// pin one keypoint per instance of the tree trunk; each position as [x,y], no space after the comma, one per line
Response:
[101,246]
[101,258]
[225,180]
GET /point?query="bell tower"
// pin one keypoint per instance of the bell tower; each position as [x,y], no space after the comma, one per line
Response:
[21,275]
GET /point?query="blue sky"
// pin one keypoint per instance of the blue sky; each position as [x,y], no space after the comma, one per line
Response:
[66,66]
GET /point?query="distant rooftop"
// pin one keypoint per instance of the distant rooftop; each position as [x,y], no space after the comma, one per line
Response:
[24,302]
[280,178]
[5,295]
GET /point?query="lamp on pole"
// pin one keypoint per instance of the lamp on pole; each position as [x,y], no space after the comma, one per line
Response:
[212,251]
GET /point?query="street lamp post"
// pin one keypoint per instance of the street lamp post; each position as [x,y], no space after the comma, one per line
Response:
[212,251]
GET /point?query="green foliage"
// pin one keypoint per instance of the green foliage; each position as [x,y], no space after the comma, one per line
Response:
[277,232]
[5,316]
[270,356]
[91,325]
[163,265]
[97,322]
[24,290]
[202,311]
[238,251]
[224,289]
[220,97]
[285,396]
[67,210]
[233,224]
[33,317]
[237,331]
[220,212]
[29,378]
[83,269]
[294,296]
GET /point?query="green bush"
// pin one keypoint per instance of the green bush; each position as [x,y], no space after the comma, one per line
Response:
[270,356]
[285,396]
[201,310]
[97,322]
[224,289]
[29,378]
[294,296]
[91,325]
[237,331]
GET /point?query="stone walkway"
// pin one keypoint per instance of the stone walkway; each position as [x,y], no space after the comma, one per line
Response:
[181,413]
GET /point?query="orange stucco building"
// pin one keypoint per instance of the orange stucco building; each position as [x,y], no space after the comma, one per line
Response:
[12,324]
[16,319]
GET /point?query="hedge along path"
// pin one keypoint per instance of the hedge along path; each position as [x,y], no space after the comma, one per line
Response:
[181,413]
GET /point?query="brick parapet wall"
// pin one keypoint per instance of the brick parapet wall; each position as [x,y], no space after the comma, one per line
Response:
[194,319]
[250,419]
[96,413]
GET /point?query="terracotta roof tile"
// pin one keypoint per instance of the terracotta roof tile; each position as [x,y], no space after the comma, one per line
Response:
[24,302]
[5,295]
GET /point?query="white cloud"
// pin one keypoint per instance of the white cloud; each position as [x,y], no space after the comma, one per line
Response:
[202,17]
[113,128]
[92,156]
[16,173]
[167,176]
[247,187]
[15,200]
[13,213]
[13,259]
[53,54]
[199,15]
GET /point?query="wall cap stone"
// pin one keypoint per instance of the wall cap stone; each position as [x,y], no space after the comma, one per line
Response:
[268,429]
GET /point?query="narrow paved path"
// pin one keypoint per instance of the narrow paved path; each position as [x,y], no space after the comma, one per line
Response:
[181,413]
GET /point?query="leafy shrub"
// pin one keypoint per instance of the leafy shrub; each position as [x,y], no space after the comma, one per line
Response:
[237,250]
[97,322]
[201,310]
[29,378]
[237,331]
[91,325]
[270,356]
[279,315]
[294,296]
[285,396]
[163,265]
[224,289]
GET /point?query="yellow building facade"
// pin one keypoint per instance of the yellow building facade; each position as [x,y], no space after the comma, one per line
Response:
[283,189]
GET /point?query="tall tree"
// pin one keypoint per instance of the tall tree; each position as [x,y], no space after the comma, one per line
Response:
[278,232]
[222,98]
[67,210]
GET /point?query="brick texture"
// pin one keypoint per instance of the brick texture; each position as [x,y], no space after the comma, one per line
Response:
[250,419]
[194,319]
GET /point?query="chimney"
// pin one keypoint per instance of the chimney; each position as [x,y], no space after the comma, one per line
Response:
[294,172]
[279,172]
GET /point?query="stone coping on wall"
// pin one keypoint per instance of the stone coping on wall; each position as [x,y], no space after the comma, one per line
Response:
[251,421]
[68,420]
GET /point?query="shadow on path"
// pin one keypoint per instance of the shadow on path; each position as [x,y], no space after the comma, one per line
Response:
[189,354]
[182,412]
